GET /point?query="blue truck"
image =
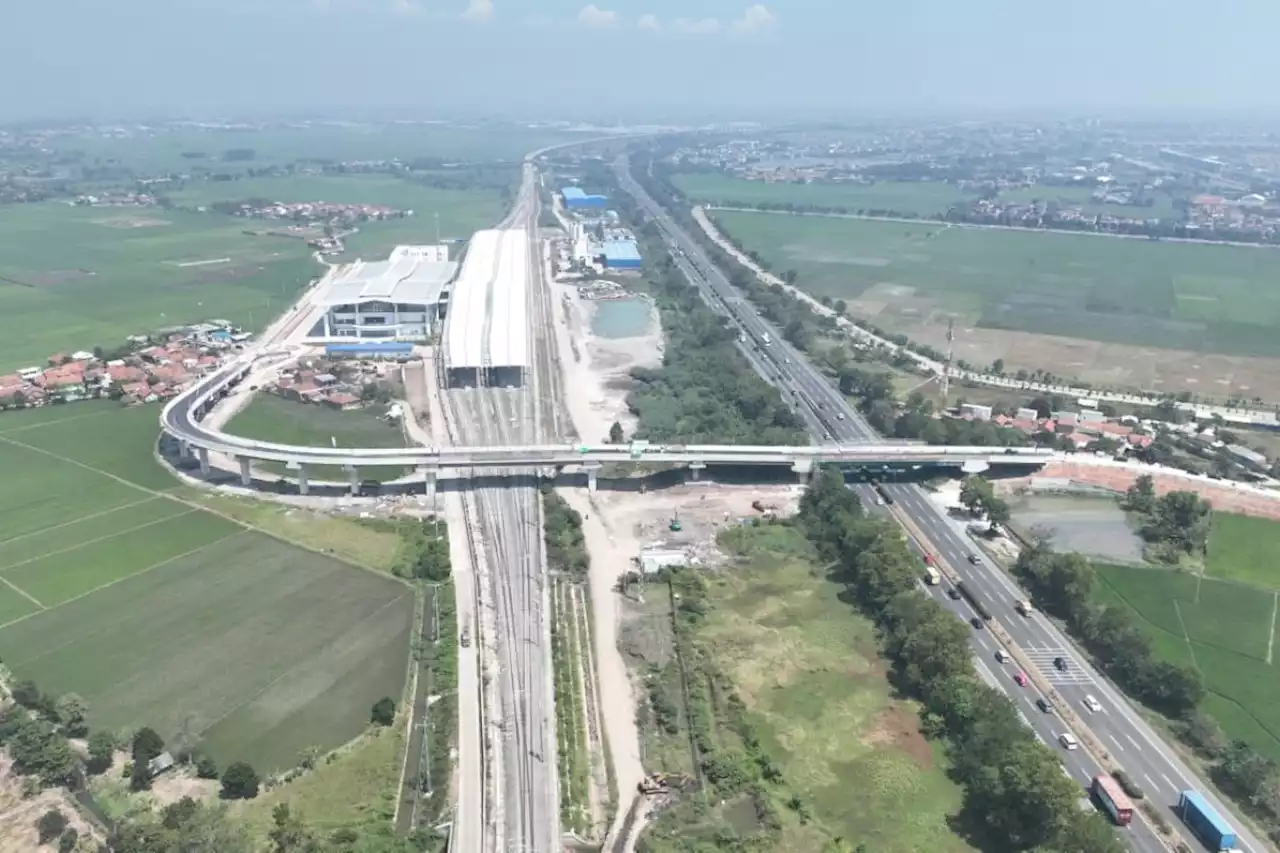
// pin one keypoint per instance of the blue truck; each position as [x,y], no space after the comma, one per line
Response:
[1204,820]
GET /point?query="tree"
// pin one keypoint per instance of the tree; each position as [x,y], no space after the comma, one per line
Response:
[50,825]
[27,694]
[975,493]
[998,512]
[67,841]
[73,712]
[102,748]
[206,767]
[140,776]
[239,782]
[616,436]
[1141,496]
[147,744]
[383,712]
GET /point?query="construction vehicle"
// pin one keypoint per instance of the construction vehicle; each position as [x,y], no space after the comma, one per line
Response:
[674,525]
[662,783]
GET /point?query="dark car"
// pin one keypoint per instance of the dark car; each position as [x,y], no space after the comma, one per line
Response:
[1043,705]
[976,623]
[953,593]
[1060,664]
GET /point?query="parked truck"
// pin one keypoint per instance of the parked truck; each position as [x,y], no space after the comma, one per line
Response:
[1204,820]
[932,576]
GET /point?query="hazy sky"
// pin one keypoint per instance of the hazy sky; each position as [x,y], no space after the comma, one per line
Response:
[635,59]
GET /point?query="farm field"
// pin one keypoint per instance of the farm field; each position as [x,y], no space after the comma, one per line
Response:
[808,669]
[272,418]
[1161,208]
[1226,630]
[923,198]
[163,152]
[1244,548]
[160,613]
[461,212]
[1107,310]
[78,277]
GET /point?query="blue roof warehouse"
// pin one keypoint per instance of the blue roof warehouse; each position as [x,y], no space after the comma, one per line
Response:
[621,254]
[576,199]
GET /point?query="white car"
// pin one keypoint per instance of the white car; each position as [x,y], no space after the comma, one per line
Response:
[1068,741]
[1092,703]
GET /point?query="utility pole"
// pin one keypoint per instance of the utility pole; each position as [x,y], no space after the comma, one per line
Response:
[946,366]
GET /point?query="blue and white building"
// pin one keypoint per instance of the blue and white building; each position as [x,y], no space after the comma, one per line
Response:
[399,299]
[576,199]
[620,254]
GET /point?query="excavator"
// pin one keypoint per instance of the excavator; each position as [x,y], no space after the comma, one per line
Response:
[662,783]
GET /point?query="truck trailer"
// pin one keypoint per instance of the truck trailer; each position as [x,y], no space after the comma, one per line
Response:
[1204,820]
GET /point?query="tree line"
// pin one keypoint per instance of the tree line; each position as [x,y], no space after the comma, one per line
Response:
[1015,794]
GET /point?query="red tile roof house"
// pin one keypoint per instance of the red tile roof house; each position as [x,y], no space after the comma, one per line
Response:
[342,401]
[11,380]
[125,374]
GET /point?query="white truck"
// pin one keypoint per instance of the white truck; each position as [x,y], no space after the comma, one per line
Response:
[932,576]
[765,339]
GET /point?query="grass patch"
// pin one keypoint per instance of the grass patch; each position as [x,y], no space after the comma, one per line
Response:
[162,614]
[808,670]
[1222,628]
[351,539]
[354,787]
[1209,298]
[922,198]
[272,418]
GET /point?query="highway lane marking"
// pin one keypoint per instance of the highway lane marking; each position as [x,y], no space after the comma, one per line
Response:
[1129,737]
[1112,738]
[1169,782]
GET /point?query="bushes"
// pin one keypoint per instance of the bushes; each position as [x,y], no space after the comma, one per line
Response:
[562,533]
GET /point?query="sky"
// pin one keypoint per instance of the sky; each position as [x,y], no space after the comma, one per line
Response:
[636,60]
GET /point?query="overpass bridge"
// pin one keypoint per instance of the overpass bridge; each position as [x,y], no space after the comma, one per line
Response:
[181,420]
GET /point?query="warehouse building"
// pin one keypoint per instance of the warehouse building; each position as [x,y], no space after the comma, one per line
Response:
[401,298]
[620,254]
[576,199]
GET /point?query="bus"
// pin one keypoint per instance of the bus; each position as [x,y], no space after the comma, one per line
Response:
[1113,799]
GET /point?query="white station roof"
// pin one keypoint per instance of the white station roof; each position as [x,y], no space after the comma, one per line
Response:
[408,276]
[487,324]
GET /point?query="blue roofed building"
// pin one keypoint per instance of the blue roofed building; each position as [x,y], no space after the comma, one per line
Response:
[621,254]
[576,199]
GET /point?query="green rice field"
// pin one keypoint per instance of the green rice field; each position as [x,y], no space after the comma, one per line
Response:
[1218,624]
[1198,297]
[78,277]
[161,613]
[922,198]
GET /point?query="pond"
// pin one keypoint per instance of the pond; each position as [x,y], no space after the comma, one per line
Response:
[1094,526]
[620,318]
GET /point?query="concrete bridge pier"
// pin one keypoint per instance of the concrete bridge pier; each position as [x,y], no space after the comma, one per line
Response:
[304,487]
[184,449]
[431,477]
[203,452]
[696,469]
[593,472]
[353,474]
[802,468]
[246,473]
